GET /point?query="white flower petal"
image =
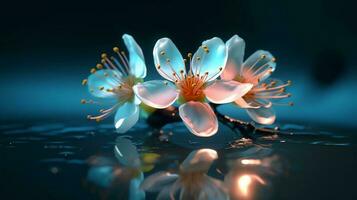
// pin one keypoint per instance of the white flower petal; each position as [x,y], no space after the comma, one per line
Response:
[168,57]
[157,93]
[126,117]
[260,63]
[157,181]
[136,57]
[199,118]
[235,47]
[262,115]
[199,160]
[221,91]
[210,57]
[126,153]
[101,80]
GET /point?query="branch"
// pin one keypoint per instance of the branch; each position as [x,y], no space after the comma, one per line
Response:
[161,117]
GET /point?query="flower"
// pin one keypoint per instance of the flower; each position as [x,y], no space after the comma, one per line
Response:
[115,80]
[192,180]
[255,70]
[193,87]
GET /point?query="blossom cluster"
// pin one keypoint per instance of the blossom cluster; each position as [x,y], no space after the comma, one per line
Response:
[216,73]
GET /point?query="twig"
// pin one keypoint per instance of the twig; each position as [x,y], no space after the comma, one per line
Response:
[161,117]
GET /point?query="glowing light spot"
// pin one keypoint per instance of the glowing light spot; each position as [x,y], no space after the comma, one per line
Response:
[251,162]
[244,183]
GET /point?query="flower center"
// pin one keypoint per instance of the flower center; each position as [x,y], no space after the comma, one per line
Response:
[191,88]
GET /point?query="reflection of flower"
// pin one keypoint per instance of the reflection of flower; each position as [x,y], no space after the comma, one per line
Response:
[116,81]
[193,87]
[191,181]
[255,70]
[128,156]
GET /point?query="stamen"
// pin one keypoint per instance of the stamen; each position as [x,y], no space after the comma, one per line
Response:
[84,82]
[99,66]
[219,71]
[126,64]
[256,62]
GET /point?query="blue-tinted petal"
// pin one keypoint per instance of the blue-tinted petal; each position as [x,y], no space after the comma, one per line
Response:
[156,93]
[135,193]
[136,57]
[168,57]
[126,117]
[126,153]
[235,47]
[260,64]
[101,80]
[211,57]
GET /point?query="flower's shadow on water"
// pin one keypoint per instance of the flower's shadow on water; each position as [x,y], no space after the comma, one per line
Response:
[59,161]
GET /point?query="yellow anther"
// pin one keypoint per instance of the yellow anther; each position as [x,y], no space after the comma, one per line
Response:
[83,101]
[289,82]
[101,88]
[198,58]
[273,59]
[97,120]
[84,82]
[162,53]
[99,66]
[181,71]
[93,70]
[184,60]
[110,90]
[220,69]
[189,55]
[116,49]
[123,53]
[158,66]
[102,61]
[206,73]
[166,83]
[263,56]
[104,55]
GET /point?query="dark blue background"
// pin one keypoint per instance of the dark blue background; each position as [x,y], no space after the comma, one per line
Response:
[46,49]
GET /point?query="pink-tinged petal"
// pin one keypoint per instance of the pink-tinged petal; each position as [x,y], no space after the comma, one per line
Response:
[236,47]
[126,117]
[168,57]
[221,91]
[199,118]
[199,160]
[157,181]
[244,104]
[156,93]
[213,189]
[262,115]
[170,191]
